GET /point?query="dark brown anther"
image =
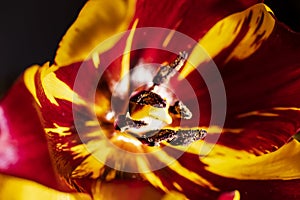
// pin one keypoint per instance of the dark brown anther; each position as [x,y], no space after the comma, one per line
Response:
[175,137]
[166,72]
[148,98]
[186,137]
[124,123]
[180,110]
[153,138]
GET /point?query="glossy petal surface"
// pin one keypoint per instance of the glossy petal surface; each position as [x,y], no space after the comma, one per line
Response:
[258,59]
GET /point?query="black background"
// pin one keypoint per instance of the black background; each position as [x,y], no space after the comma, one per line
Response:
[31,30]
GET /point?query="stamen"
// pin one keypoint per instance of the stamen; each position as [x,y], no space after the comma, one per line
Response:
[153,138]
[124,123]
[148,98]
[186,137]
[166,72]
[142,105]
[174,137]
[180,110]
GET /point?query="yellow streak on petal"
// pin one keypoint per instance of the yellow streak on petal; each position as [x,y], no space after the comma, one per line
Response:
[258,113]
[287,108]
[250,42]
[124,190]
[91,123]
[282,164]
[111,175]
[29,81]
[233,130]
[177,186]
[96,60]
[150,176]
[173,195]
[60,130]
[224,33]
[126,56]
[97,152]
[168,38]
[83,150]
[237,195]
[22,189]
[97,21]
[130,140]
[102,104]
[186,173]
[170,35]
[125,64]
[61,147]
[55,88]
[197,57]
[79,151]
[91,167]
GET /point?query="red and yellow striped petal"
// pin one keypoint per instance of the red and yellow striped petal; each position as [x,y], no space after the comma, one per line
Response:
[204,177]
[193,18]
[253,157]
[24,150]
[97,21]
[273,176]
[262,100]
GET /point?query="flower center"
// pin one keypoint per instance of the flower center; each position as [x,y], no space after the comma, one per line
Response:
[153,107]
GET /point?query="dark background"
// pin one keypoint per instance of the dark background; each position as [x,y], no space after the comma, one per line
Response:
[31,30]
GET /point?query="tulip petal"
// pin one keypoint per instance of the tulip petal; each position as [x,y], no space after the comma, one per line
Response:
[235,195]
[193,18]
[262,104]
[281,164]
[17,188]
[124,190]
[259,126]
[242,33]
[274,176]
[24,148]
[97,21]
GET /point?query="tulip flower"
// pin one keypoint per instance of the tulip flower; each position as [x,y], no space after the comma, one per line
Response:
[158,100]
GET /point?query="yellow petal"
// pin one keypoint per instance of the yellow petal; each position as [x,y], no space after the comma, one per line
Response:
[97,21]
[18,188]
